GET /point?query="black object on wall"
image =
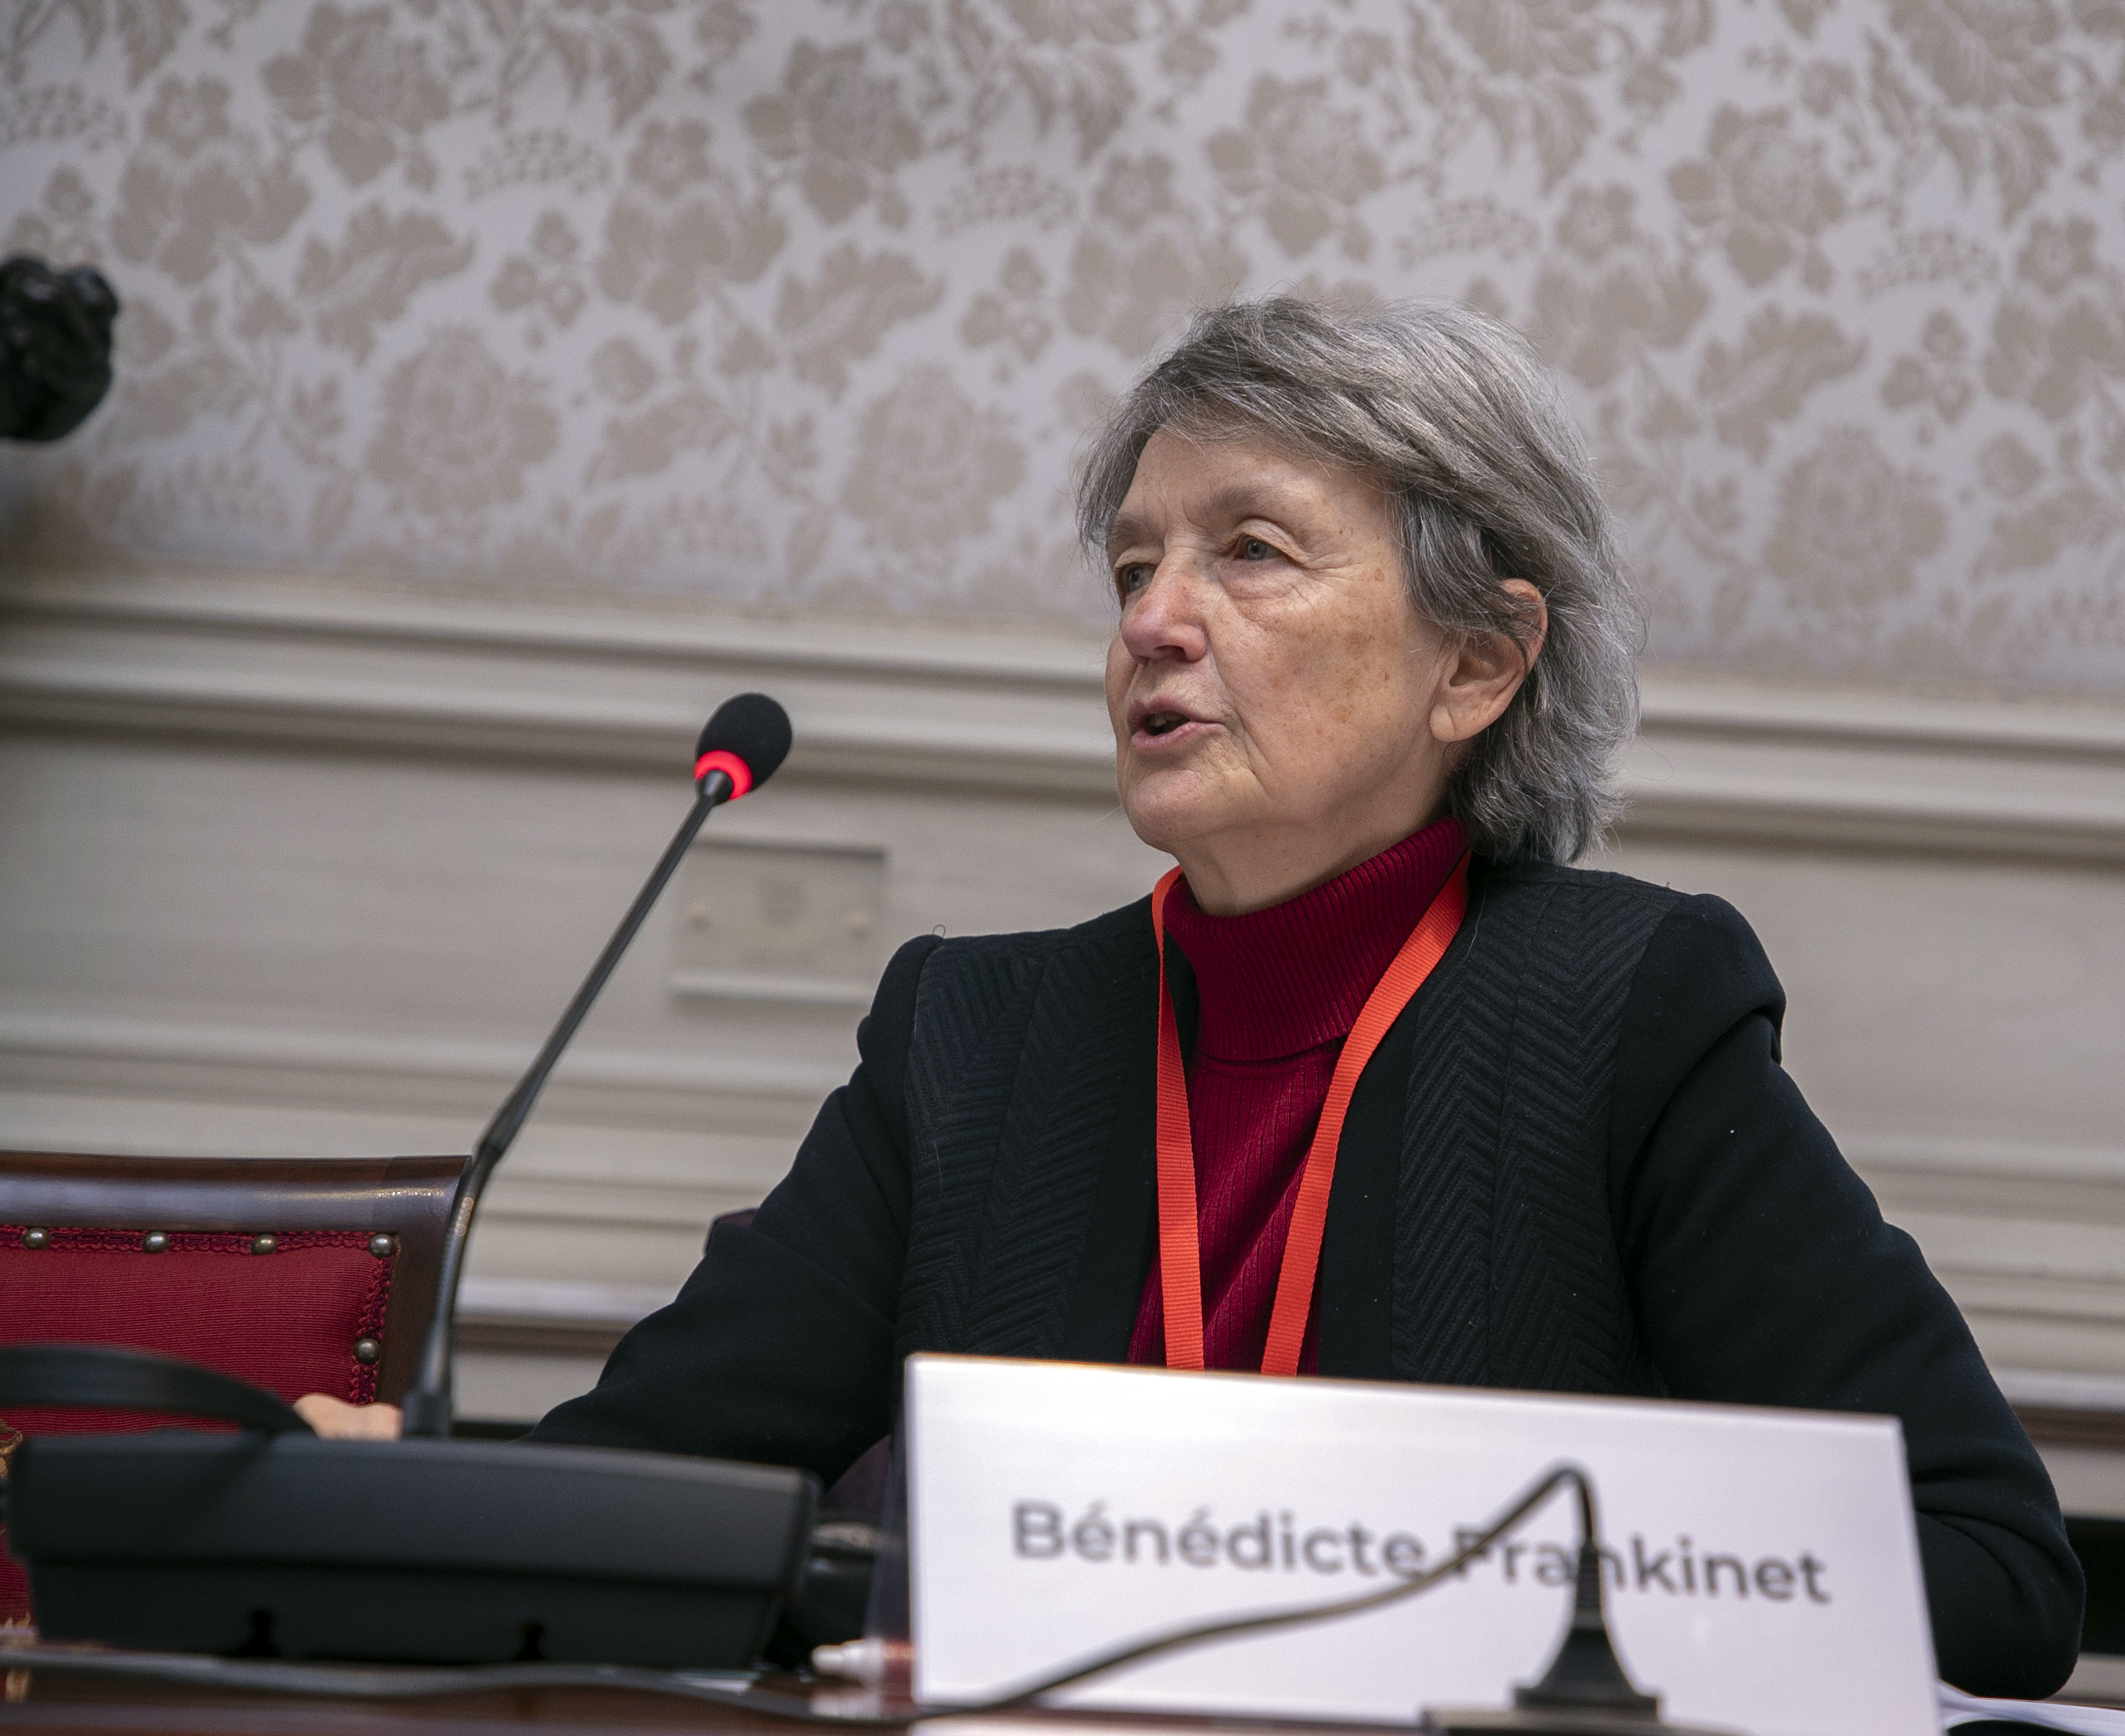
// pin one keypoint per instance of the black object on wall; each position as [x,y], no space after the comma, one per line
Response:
[54,346]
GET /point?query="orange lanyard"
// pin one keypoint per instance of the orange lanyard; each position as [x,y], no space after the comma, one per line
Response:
[1180,1263]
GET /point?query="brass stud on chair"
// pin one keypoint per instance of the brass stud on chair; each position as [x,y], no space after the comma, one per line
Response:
[383,1246]
[154,1242]
[264,1244]
[37,1238]
[367,1350]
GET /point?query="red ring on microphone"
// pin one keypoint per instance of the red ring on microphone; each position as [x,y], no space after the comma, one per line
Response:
[719,759]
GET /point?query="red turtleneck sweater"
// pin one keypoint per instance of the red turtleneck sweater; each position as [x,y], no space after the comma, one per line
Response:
[1277,992]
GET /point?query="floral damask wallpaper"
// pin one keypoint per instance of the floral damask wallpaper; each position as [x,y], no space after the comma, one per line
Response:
[805,303]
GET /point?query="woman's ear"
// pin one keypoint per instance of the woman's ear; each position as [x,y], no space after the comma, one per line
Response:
[1487,668]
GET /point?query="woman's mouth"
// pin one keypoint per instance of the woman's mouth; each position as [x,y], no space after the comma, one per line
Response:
[1164,727]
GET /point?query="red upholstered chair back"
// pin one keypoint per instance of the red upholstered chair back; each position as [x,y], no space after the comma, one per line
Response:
[298,1275]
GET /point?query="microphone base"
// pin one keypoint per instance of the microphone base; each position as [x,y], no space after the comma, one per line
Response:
[1551,1721]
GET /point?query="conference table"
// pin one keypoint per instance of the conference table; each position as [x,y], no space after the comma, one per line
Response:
[40,1700]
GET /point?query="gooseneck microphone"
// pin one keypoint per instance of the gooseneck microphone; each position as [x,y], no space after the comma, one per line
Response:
[740,749]
[279,1544]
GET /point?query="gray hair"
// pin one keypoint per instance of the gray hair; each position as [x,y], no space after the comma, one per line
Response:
[1452,414]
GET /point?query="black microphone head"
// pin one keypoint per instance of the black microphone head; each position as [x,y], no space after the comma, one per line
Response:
[750,728]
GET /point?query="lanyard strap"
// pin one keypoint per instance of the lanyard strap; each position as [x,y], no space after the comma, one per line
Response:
[1179,1252]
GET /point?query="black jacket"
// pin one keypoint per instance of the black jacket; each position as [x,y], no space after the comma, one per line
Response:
[1574,1165]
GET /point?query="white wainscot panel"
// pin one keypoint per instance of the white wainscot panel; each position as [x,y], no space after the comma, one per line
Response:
[299,867]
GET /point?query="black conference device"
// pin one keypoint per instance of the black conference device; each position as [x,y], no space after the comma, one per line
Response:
[272,1543]
[448,1551]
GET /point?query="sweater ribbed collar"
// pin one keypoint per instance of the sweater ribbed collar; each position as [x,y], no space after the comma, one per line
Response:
[1276,983]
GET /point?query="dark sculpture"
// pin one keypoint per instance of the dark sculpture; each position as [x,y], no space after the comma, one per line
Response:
[54,346]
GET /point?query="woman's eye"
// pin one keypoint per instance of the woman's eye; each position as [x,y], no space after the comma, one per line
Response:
[1253,548]
[1131,579]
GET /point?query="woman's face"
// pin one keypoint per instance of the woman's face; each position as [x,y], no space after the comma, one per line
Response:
[1281,713]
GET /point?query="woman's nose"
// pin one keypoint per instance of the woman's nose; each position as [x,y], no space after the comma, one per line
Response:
[1164,620]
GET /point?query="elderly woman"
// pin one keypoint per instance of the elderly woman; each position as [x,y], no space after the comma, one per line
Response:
[1412,1099]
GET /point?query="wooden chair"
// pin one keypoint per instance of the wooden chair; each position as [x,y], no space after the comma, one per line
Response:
[299,1275]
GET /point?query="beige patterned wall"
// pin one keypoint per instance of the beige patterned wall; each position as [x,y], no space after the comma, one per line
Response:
[806,305]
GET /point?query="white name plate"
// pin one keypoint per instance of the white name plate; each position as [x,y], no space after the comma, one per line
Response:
[1763,1564]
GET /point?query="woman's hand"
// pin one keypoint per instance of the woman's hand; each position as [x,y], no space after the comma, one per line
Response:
[336,1420]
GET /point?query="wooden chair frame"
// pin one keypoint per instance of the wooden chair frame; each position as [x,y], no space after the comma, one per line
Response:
[406,1198]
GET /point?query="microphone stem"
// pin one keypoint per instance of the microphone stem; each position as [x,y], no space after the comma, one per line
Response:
[428,1404]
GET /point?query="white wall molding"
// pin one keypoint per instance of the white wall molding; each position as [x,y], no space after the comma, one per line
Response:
[2021,1231]
[365,1064]
[289,662]
[295,662]
[1878,772]
[2073,1178]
